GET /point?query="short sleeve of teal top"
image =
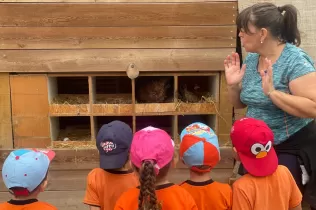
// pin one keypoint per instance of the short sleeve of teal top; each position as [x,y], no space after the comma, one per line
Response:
[292,63]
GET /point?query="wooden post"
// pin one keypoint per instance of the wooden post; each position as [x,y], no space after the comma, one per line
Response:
[225,120]
[92,99]
[134,105]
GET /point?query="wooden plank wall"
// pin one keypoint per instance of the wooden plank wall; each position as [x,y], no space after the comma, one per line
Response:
[78,37]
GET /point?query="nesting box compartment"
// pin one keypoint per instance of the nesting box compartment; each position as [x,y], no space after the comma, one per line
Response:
[163,122]
[198,94]
[154,95]
[111,95]
[68,96]
[101,120]
[70,128]
[186,120]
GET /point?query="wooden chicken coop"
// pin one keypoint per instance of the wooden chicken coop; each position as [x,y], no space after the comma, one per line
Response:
[64,65]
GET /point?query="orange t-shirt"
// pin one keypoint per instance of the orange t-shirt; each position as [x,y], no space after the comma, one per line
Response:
[30,204]
[275,192]
[209,194]
[171,196]
[104,187]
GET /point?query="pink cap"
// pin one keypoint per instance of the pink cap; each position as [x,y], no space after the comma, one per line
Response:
[152,144]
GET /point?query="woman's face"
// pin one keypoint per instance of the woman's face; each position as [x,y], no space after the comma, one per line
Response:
[251,41]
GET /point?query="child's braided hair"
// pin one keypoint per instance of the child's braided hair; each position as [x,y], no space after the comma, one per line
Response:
[147,195]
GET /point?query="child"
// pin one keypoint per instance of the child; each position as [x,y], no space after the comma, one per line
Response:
[24,173]
[115,176]
[199,150]
[151,155]
[267,186]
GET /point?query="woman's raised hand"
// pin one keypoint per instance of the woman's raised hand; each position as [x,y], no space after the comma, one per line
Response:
[233,72]
[267,77]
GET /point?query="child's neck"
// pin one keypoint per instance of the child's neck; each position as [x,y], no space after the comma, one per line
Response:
[162,181]
[26,198]
[199,177]
[126,167]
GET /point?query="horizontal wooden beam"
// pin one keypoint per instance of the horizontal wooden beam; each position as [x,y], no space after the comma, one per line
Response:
[111,60]
[75,180]
[117,1]
[117,37]
[75,159]
[109,74]
[114,14]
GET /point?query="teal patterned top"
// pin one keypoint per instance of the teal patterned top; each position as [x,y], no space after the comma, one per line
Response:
[292,63]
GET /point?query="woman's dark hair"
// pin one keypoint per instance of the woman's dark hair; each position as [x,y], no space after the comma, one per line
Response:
[147,199]
[280,21]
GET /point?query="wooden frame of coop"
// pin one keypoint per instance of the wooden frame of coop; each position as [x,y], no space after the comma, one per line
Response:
[57,71]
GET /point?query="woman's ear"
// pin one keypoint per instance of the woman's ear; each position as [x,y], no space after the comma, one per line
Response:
[263,34]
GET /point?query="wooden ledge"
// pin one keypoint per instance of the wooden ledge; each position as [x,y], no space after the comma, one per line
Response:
[85,159]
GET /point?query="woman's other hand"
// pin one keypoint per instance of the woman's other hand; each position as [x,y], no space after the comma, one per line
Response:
[267,77]
[233,72]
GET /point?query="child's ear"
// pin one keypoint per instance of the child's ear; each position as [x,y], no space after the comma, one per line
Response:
[235,154]
[43,186]
[175,159]
[129,164]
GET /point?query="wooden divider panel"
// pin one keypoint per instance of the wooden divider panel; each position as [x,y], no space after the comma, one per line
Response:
[30,111]
[226,114]
[5,112]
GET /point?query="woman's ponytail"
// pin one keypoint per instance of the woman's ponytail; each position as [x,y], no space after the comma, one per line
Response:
[281,21]
[290,32]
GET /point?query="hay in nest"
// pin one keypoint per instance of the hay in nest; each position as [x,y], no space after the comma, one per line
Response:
[153,91]
[73,145]
[207,98]
[71,99]
[194,96]
[74,133]
[114,99]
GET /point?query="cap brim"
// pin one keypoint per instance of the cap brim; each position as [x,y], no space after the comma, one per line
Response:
[113,161]
[260,166]
[49,153]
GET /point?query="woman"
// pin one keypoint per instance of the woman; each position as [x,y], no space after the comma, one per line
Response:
[277,84]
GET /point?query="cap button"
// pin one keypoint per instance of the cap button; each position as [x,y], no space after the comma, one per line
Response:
[17,157]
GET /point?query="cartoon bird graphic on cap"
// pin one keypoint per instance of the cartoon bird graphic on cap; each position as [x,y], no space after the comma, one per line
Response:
[261,151]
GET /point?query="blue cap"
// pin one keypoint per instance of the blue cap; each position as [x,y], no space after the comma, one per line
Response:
[199,145]
[113,142]
[26,168]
